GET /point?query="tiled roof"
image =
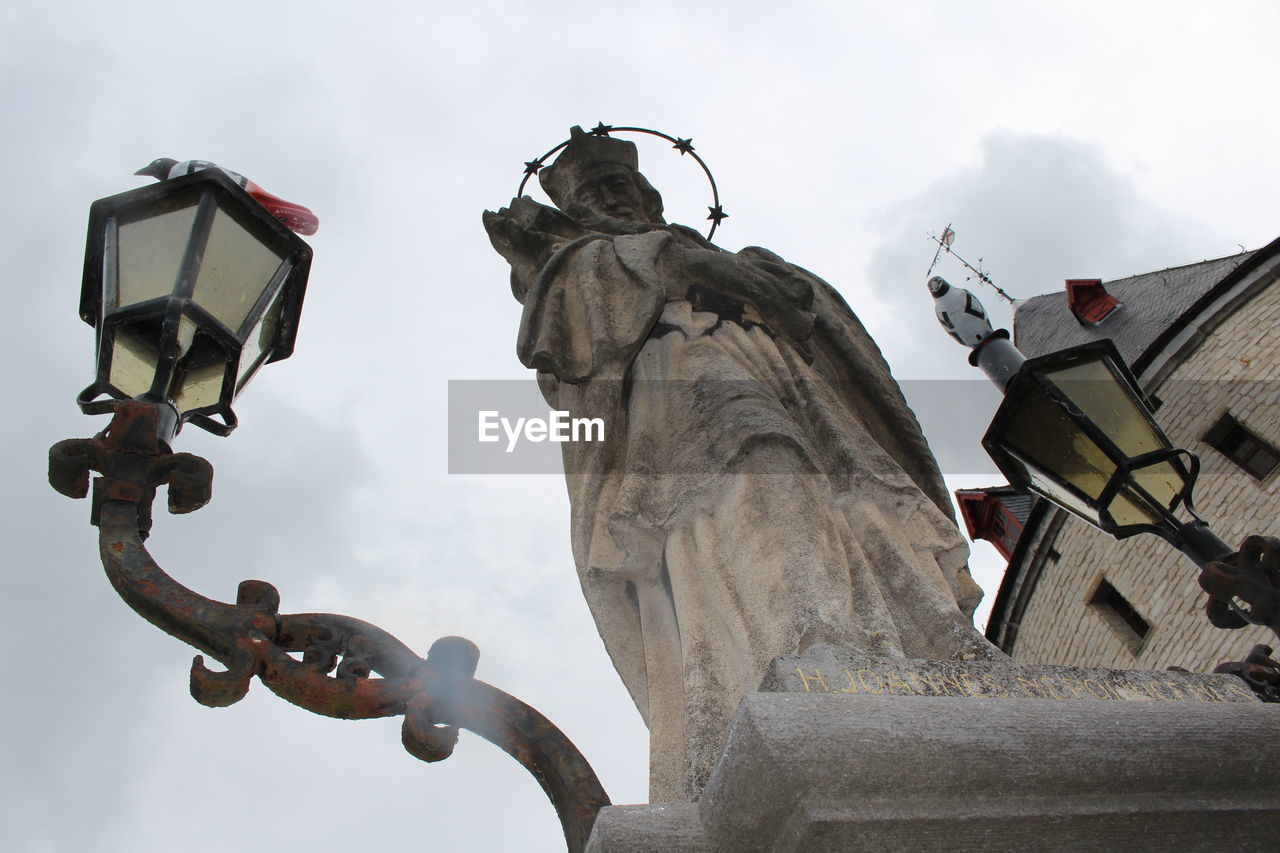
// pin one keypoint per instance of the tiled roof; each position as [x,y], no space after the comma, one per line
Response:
[1149,304]
[1018,503]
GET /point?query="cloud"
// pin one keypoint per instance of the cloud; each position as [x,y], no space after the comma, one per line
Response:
[1035,210]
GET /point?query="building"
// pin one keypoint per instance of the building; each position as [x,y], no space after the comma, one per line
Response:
[1204,341]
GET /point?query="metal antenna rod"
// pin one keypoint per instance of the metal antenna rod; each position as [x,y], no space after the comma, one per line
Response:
[945,244]
[947,235]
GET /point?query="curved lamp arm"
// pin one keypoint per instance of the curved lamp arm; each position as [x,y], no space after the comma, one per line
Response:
[329,664]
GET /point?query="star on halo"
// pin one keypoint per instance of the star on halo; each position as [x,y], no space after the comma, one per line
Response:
[684,145]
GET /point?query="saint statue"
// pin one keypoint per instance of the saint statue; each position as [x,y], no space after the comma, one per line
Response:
[762,485]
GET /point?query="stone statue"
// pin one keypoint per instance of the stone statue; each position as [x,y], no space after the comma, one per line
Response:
[762,485]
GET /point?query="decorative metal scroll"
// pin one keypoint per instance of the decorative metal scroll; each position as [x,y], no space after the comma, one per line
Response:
[329,664]
[1246,589]
[684,146]
[1259,670]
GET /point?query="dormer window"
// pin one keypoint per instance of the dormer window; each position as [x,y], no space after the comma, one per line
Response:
[1089,300]
[996,514]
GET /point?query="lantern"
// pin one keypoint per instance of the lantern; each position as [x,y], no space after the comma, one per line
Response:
[1074,428]
[191,286]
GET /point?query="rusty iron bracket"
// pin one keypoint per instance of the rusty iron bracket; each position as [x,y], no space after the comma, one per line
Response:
[1245,590]
[326,663]
[1259,670]
[133,462]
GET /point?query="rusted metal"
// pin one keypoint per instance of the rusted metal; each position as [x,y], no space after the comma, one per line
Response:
[373,673]
[133,462]
[1246,588]
[1259,670]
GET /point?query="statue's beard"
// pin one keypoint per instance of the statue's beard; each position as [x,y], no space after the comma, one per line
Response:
[593,221]
[602,223]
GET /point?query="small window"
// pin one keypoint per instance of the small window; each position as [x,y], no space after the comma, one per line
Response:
[998,526]
[1117,612]
[1233,440]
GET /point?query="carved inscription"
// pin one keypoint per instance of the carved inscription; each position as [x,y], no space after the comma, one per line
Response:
[924,682]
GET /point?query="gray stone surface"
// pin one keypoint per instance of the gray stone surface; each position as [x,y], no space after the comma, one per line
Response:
[846,751]
[826,669]
[674,828]
[762,483]
[837,772]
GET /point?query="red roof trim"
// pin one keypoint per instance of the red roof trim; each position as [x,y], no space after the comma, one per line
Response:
[971,510]
[980,510]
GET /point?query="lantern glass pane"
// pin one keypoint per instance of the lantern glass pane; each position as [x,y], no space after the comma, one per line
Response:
[133,364]
[1106,400]
[200,387]
[150,254]
[1102,398]
[1042,434]
[1056,493]
[202,366]
[1129,507]
[187,329]
[258,342]
[236,268]
[1163,482]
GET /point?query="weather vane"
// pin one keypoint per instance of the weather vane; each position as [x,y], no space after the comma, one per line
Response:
[684,146]
[944,244]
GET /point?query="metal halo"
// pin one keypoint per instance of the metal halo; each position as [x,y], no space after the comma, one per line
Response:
[684,146]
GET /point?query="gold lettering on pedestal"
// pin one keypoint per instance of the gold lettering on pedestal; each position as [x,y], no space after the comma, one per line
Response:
[1075,686]
[862,679]
[1197,693]
[1030,686]
[1099,690]
[1051,689]
[910,682]
[897,686]
[1133,693]
[995,687]
[817,677]
[930,680]
[955,684]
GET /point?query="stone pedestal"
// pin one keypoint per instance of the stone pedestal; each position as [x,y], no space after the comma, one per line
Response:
[920,756]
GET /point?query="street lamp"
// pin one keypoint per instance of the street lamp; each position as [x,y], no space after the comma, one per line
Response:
[1074,429]
[192,286]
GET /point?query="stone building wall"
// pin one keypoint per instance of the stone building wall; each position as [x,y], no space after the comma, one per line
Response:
[1236,370]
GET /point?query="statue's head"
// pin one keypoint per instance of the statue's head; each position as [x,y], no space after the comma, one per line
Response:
[601,174]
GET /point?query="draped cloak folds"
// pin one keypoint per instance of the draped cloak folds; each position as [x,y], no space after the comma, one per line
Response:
[753,494]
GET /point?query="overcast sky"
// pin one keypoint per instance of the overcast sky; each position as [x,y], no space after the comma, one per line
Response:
[1062,140]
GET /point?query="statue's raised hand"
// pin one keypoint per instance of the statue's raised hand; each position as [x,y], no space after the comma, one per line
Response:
[780,292]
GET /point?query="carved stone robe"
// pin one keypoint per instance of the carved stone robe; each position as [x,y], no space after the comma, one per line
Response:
[754,494]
